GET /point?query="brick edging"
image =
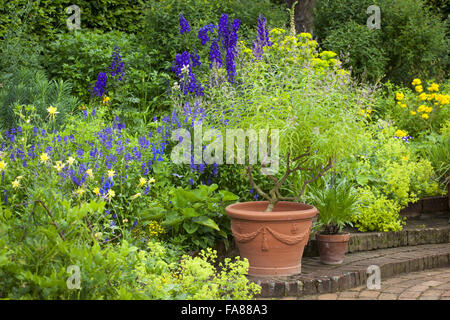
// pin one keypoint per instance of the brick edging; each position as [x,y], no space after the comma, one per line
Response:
[381,240]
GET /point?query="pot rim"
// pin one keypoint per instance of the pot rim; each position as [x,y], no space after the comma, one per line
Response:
[302,212]
[341,237]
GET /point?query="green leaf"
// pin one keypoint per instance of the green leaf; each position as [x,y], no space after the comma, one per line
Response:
[207,222]
[228,196]
[190,227]
[190,212]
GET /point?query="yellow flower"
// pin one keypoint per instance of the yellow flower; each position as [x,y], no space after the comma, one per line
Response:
[111,194]
[106,99]
[59,166]
[125,220]
[413,113]
[399,96]
[423,96]
[44,158]
[16,184]
[403,105]
[96,190]
[70,161]
[419,89]
[137,195]
[80,191]
[400,133]
[416,82]
[428,109]
[151,180]
[422,108]
[362,112]
[405,158]
[277,31]
[433,87]
[52,111]
[3,165]
[425,116]
[89,173]
[142,181]
[111,173]
[306,35]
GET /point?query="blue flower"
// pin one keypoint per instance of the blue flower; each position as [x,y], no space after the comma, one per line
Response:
[195,59]
[262,37]
[184,24]
[215,56]
[117,64]
[228,37]
[100,85]
[203,33]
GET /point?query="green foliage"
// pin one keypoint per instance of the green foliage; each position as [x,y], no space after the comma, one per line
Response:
[79,56]
[441,7]
[195,216]
[387,170]
[28,86]
[46,18]
[425,54]
[419,111]
[337,204]
[377,212]
[18,48]
[366,58]
[436,148]
[39,243]
[161,26]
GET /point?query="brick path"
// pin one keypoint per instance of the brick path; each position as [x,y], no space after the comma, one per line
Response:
[424,285]
[317,278]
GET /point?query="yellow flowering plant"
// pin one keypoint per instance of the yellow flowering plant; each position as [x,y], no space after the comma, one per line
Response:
[421,109]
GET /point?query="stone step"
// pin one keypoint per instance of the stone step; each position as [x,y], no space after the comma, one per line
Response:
[317,278]
[411,236]
[437,206]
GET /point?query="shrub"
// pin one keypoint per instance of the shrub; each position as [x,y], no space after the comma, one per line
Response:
[377,213]
[78,57]
[36,255]
[47,18]
[424,55]
[366,56]
[387,170]
[32,87]
[419,111]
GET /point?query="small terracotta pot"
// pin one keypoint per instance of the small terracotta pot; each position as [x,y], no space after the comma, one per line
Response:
[273,242]
[332,247]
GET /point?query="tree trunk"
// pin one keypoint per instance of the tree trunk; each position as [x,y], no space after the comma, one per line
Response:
[303,17]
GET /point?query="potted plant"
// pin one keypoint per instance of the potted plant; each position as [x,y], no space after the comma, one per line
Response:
[312,106]
[337,204]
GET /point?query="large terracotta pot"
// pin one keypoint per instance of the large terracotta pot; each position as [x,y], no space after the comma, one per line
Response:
[273,242]
[332,247]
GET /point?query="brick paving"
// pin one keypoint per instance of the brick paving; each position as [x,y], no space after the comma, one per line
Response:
[317,278]
[423,285]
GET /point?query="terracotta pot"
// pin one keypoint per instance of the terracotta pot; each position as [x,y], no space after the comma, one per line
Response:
[273,242]
[332,247]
